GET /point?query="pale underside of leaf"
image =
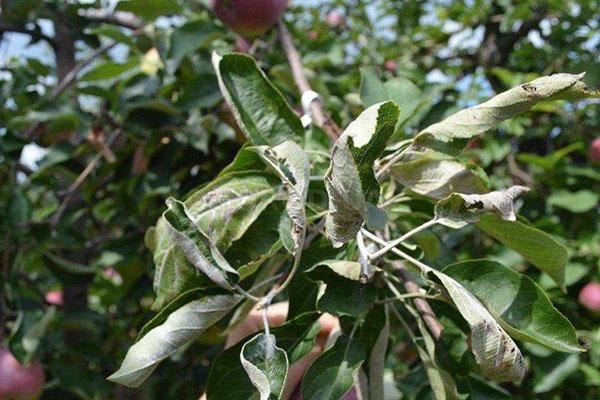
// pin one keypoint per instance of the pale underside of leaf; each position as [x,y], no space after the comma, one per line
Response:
[350,181]
[292,165]
[518,303]
[437,175]
[182,325]
[266,365]
[459,209]
[495,352]
[481,118]
[197,247]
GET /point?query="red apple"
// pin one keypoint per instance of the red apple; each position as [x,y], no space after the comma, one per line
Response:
[391,65]
[55,297]
[589,296]
[335,19]
[595,150]
[249,18]
[19,382]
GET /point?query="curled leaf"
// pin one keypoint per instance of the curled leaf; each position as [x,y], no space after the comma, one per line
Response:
[459,209]
[495,352]
[481,118]
[197,247]
[292,165]
[181,326]
[266,365]
[350,181]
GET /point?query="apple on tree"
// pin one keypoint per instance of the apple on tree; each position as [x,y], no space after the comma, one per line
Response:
[595,150]
[18,381]
[249,18]
[589,296]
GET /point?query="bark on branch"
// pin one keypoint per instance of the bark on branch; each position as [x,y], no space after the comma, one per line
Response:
[319,115]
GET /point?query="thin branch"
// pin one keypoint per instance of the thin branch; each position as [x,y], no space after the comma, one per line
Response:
[401,239]
[55,220]
[411,286]
[121,18]
[319,115]
[34,33]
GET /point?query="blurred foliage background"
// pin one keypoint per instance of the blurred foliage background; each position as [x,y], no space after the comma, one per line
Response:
[125,91]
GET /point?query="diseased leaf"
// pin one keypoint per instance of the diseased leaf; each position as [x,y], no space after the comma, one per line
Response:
[197,247]
[224,210]
[522,307]
[291,164]
[259,108]
[350,181]
[227,378]
[332,374]
[266,365]
[495,352]
[458,209]
[343,283]
[438,175]
[162,341]
[537,247]
[481,118]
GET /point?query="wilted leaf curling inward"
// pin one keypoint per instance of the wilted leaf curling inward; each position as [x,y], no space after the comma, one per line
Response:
[460,209]
[291,163]
[481,118]
[266,365]
[350,181]
[495,352]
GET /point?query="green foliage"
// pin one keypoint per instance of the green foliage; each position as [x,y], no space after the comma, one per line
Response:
[178,186]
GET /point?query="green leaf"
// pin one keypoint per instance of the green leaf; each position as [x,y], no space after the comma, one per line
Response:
[552,371]
[458,209]
[291,164]
[375,334]
[183,325]
[495,352]
[524,310]
[537,247]
[266,365]
[197,247]
[109,70]
[399,89]
[332,374]
[190,37]
[344,294]
[259,108]
[438,175]
[575,202]
[481,118]
[350,181]
[149,9]
[550,161]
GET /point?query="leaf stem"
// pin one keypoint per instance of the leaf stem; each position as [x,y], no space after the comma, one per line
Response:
[390,245]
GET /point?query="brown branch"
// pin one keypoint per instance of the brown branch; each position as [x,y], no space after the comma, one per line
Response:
[34,33]
[319,115]
[70,193]
[121,18]
[421,304]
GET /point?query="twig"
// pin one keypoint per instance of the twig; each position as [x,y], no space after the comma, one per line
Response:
[320,117]
[34,33]
[412,287]
[121,18]
[420,303]
[68,81]
[401,239]
[79,181]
